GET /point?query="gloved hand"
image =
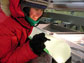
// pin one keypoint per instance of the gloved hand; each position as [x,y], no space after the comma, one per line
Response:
[37,43]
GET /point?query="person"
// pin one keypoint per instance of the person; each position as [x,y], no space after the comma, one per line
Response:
[17,19]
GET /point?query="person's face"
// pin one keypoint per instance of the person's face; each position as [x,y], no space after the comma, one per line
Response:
[35,13]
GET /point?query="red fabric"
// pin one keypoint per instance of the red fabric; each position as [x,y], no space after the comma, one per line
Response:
[13,33]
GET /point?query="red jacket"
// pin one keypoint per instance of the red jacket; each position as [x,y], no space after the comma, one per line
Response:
[14,48]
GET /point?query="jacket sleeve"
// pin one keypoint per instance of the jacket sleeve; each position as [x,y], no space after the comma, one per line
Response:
[19,55]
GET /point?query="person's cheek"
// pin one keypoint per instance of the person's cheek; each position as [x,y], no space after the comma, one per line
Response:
[39,14]
[32,14]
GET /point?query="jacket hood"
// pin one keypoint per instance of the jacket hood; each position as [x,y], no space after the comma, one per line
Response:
[15,8]
[12,7]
